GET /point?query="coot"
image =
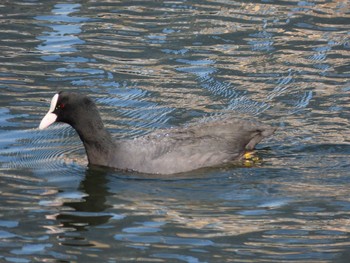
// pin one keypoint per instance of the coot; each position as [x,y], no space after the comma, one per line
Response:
[165,151]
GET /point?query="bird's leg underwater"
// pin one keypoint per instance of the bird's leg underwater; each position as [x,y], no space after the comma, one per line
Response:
[250,158]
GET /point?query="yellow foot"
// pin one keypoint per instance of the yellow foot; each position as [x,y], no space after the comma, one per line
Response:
[250,159]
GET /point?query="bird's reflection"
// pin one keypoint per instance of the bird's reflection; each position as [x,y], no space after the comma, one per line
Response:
[90,210]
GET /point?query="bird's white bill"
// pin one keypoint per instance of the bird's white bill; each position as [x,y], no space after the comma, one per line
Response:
[50,117]
[47,120]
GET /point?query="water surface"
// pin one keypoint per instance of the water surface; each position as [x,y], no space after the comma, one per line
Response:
[158,64]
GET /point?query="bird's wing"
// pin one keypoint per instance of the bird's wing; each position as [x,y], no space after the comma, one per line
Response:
[187,148]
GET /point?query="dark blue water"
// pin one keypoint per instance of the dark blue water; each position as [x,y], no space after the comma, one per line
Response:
[158,64]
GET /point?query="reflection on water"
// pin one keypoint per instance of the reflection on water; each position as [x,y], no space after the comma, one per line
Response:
[151,65]
[64,29]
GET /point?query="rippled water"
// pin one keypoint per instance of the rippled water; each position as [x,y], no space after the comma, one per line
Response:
[157,64]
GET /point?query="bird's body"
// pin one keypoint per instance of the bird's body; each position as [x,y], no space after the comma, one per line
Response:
[188,148]
[165,151]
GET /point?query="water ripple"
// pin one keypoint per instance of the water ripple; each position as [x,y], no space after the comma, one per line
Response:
[154,64]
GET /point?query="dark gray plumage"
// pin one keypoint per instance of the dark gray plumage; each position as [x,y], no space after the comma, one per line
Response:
[163,152]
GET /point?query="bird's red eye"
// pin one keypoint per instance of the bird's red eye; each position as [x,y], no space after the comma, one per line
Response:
[60,106]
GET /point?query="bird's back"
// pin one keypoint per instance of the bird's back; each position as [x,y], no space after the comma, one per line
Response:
[192,147]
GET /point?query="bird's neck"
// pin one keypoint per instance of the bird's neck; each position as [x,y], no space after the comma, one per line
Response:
[98,143]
